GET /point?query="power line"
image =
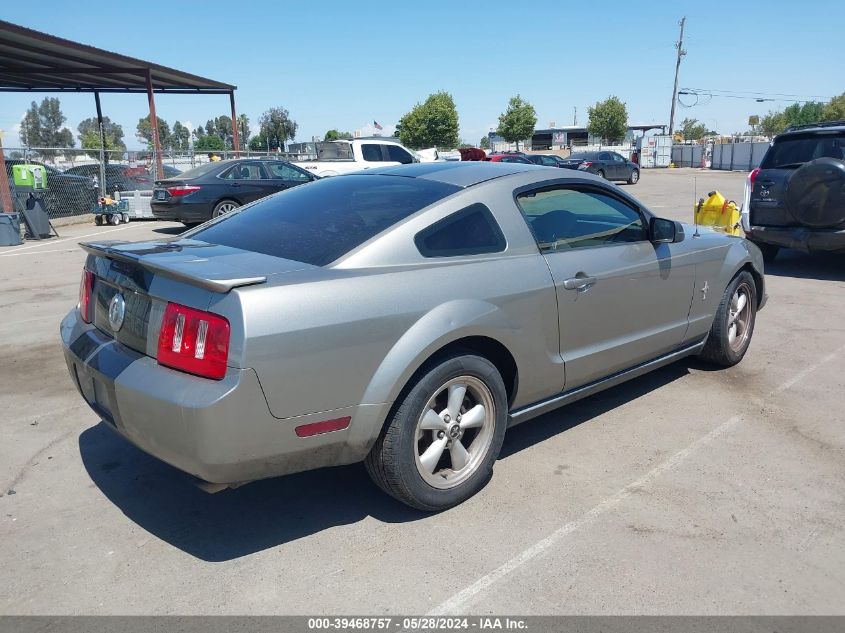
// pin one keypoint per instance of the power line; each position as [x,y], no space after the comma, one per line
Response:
[759,97]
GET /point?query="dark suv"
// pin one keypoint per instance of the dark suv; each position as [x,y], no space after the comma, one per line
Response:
[796,198]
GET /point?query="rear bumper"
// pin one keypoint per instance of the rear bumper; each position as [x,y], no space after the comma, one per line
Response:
[220,431]
[800,238]
[181,211]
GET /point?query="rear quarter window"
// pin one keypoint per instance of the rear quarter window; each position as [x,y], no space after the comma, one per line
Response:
[470,231]
[320,222]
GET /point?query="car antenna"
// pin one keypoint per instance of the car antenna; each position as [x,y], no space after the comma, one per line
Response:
[695,205]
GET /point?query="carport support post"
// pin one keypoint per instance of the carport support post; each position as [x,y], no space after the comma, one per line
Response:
[103,188]
[5,192]
[154,125]
[236,142]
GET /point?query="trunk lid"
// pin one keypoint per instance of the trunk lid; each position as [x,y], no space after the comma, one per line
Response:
[197,271]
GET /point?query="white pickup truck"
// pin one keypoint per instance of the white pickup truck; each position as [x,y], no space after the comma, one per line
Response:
[341,157]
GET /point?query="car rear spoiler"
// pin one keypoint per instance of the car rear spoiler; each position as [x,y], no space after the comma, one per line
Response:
[174,270]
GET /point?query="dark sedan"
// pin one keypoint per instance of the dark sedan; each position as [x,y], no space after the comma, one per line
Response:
[546,160]
[122,177]
[213,189]
[608,165]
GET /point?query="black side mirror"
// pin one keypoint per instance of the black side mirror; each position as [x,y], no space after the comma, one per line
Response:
[663,231]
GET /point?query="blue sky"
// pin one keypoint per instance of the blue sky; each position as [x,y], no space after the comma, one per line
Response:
[344,64]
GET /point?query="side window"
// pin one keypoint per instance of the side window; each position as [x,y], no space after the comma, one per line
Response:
[617,158]
[399,155]
[565,218]
[283,171]
[371,153]
[244,171]
[470,231]
[549,162]
[604,156]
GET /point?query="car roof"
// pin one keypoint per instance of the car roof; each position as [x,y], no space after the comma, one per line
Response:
[459,173]
[836,126]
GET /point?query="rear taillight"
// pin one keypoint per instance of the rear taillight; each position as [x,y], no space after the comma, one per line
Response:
[194,341]
[86,287]
[182,190]
[585,165]
[753,176]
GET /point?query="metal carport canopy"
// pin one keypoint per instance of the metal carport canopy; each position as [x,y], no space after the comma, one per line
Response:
[31,61]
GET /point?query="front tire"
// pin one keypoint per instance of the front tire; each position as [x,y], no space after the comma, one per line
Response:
[730,334]
[442,439]
[114,219]
[634,177]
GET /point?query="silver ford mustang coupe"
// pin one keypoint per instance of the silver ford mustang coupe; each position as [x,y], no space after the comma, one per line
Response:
[404,316]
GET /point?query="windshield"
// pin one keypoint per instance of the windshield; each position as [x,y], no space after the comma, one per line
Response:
[795,150]
[320,222]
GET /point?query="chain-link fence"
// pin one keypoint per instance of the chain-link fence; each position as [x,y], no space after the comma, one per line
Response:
[76,178]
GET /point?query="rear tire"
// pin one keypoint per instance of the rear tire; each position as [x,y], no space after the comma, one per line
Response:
[440,442]
[600,173]
[223,207]
[733,326]
[114,219]
[769,251]
[98,220]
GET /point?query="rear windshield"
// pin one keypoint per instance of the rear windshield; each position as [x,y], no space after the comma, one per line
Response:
[319,222]
[795,150]
[196,172]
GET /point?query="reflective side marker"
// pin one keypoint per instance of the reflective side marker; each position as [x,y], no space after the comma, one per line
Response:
[326,426]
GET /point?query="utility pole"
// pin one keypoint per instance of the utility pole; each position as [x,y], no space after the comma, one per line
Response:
[575,116]
[681,52]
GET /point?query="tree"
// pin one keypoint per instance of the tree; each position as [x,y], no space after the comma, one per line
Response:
[835,110]
[517,122]
[258,143]
[773,123]
[433,123]
[209,143]
[333,135]
[89,136]
[144,132]
[221,126]
[277,127]
[608,119]
[243,130]
[43,127]
[798,114]
[180,138]
[694,130]
[484,143]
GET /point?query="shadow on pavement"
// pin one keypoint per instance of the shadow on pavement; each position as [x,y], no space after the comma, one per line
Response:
[823,266]
[232,523]
[264,514]
[546,426]
[171,230]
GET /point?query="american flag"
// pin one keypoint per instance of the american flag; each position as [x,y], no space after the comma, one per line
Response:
[377,125]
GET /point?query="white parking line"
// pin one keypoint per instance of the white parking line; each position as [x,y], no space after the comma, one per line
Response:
[456,603]
[52,250]
[65,239]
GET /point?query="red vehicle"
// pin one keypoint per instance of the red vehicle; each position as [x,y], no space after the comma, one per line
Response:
[509,158]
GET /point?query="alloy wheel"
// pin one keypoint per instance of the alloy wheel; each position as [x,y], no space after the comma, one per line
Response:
[739,317]
[454,432]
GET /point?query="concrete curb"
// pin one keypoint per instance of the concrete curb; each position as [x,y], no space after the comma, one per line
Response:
[86,218]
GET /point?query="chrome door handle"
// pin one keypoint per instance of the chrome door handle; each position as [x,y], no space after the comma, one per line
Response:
[579,283]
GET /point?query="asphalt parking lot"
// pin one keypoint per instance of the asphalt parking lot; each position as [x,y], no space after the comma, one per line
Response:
[687,491]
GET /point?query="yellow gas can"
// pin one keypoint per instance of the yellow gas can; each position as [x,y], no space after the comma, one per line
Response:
[721,214]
